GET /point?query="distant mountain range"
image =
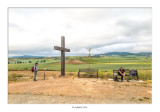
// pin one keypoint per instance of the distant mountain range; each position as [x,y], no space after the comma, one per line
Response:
[125,53]
[26,56]
[105,54]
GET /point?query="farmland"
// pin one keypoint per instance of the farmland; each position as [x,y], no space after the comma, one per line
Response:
[101,63]
[105,65]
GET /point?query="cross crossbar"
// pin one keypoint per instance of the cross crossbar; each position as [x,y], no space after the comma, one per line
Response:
[61,49]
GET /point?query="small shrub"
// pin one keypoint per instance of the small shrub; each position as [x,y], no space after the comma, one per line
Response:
[109,74]
[149,81]
[26,68]
[14,77]
[70,74]
[146,98]
[100,74]
[140,99]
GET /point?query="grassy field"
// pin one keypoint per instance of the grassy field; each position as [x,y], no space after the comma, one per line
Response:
[105,65]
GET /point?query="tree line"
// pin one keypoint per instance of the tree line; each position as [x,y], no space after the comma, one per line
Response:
[20,62]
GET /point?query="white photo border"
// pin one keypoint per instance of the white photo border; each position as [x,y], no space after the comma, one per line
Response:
[89,107]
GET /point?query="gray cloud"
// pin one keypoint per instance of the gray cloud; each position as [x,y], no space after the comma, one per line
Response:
[34,31]
[136,28]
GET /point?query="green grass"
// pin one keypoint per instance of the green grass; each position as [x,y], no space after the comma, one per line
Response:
[105,65]
[118,59]
[76,67]
[145,74]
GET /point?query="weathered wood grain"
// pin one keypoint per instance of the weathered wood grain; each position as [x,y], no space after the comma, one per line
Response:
[63,50]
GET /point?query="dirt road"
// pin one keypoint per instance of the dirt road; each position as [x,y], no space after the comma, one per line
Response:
[73,90]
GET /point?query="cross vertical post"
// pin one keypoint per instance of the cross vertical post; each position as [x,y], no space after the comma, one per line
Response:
[62,56]
[63,50]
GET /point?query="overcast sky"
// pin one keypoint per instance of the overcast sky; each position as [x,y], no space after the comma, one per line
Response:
[34,31]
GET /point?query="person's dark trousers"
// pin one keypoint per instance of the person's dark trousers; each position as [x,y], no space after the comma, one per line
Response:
[121,76]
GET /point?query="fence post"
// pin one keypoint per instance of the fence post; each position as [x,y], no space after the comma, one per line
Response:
[44,74]
[97,73]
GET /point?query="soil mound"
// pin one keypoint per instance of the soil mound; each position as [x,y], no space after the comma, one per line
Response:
[73,62]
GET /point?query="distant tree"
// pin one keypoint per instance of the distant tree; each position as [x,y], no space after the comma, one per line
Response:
[30,61]
[26,68]
[19,62]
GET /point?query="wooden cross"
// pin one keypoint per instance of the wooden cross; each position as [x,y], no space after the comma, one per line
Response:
[63,50]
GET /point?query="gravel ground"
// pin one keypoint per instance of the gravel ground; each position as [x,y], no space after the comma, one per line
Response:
[45,99]
[73,90]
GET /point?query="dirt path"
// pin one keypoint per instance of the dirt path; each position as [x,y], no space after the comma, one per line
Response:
[73,90]
[44,99]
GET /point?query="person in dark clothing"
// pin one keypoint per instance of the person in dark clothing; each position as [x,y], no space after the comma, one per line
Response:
[121,72]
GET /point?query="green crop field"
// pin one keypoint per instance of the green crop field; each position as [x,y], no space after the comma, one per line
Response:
[104,64]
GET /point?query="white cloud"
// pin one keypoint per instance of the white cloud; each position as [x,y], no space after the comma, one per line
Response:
[35,31]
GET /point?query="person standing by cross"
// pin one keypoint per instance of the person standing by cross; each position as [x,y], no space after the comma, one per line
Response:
[63,50]
[35,71]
